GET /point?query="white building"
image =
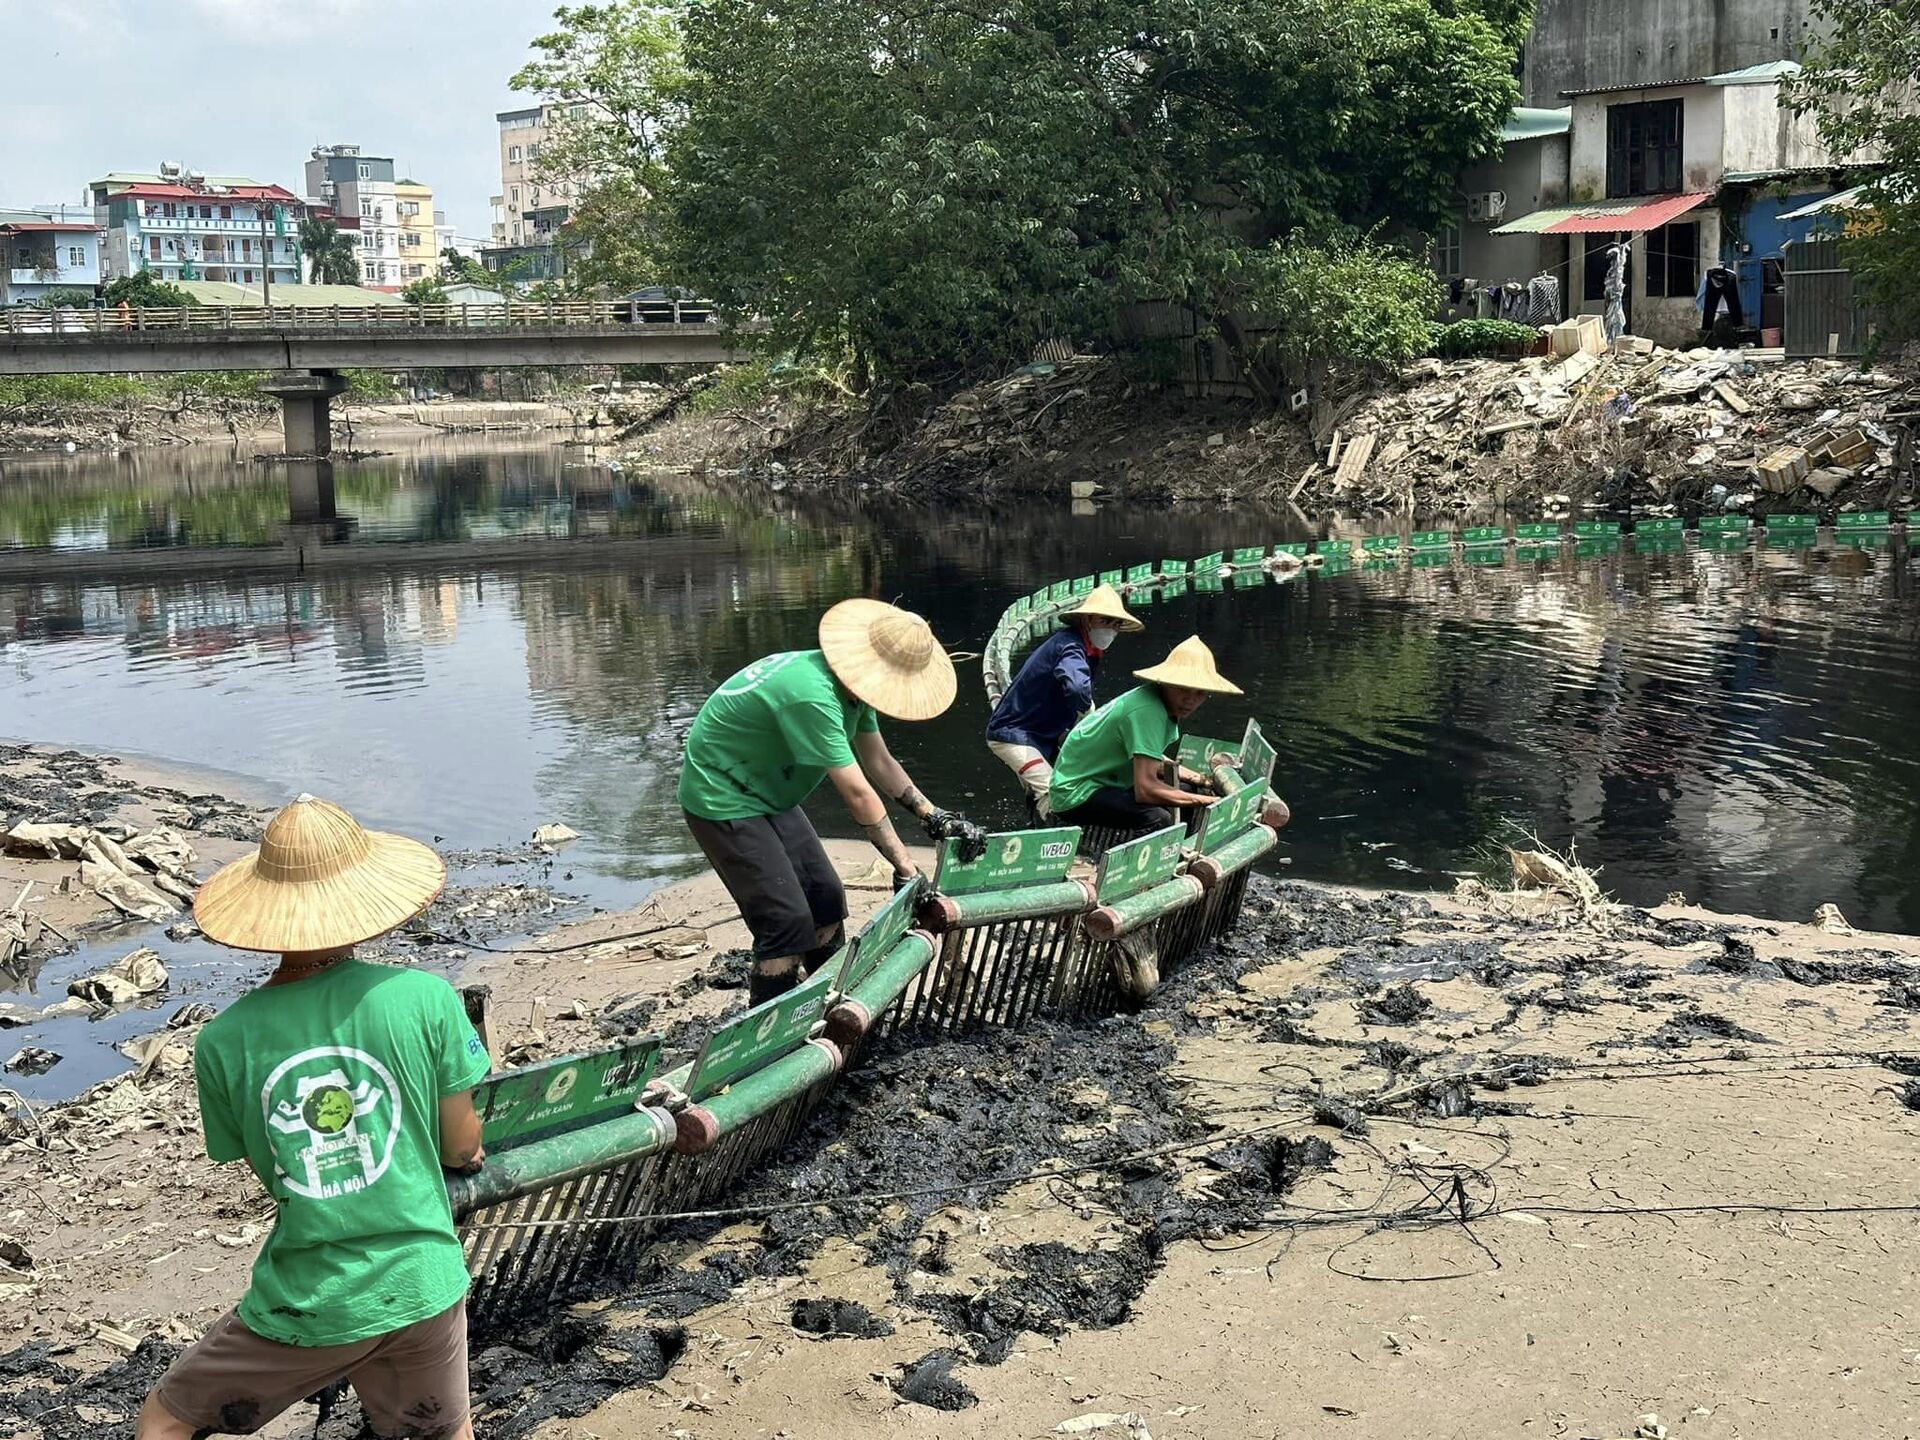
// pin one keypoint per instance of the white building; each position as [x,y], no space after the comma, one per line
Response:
[353,185]
[182,225]
[53,248]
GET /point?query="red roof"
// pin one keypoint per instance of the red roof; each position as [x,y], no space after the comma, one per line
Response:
[187,192]
[1633,216]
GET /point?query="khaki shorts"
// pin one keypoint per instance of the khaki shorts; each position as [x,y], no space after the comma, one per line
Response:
[412,1381]
[1032,769]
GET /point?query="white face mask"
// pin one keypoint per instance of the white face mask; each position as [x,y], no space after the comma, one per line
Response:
[1101,637]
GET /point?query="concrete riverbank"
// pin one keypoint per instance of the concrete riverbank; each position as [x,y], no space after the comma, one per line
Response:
[1400,1163]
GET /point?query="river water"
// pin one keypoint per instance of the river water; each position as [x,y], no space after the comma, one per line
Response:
[508,633]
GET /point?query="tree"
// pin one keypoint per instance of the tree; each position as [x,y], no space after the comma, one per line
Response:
[461,269]
[425,291]
[614,75]
[144,290]
[1859,86]
[332,256]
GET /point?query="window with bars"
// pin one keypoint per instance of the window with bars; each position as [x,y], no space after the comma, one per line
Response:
[1643,148]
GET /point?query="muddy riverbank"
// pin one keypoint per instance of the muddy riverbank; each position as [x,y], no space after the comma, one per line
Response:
[1401,1163]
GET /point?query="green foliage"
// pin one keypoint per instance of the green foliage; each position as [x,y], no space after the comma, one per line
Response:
[747,387]
[68,296]
[143,289]
[1859,86]
[1466,339]
[1346,301]
[931,189]
[369,386]
[30,392]
[425,291]
[333,257]
[459,269]
[615,74]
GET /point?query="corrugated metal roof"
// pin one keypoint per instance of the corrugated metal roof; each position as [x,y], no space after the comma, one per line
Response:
[1761,74]
[1830,204]
[222,292]
[1638,85]
[1528,122]
[1604,216]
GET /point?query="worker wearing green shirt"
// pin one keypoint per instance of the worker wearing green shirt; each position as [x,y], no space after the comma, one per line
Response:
[345,1086]
[1113,765]
[763,742]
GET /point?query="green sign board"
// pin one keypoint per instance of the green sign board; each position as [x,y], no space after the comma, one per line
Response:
[1249,555]
[1596,529]
[1015,859]
[1230,817]
[1195,750]
[1140,864]
[1792,522]
[1671,526]
[1483,535]
[1114,578]
[1550,530]
[1427,539]
[887,924]
[1331,548]
[1257,757]
[1380,542]
[1864,520]
[1724,524]
[1208,564]
[564,1092]
[1172,568]
[1019,610]
[1137,574]
[1173,589]
[1298,552]
[756,1038]
[1060,590]
[1084,585]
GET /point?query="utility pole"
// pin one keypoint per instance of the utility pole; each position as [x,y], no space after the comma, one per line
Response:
[266,259]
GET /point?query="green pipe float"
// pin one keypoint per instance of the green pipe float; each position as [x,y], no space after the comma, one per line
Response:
[941,913]
[1235,855]
[702,1126]
[558,1158]
[1123,917]
[853,1016]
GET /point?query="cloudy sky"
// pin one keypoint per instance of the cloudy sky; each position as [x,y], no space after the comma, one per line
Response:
[249,87]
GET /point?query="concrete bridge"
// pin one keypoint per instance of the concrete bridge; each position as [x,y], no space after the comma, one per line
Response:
[305,349]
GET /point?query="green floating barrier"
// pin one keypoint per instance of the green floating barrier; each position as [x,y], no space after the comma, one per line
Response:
[1485,554]
[1060,590]
[1112,577]
[1596,529]
[1429,559]
[1658,544]
[990,907]
[1140,864]
[1138,574]
[880,934]
[1596,545]
[1862,539]
[1427,539]
[1724,524]
[1246,579]
[1257,758]
[1012,860]
[1549,530]
[1380,542]
[1792,522]
[1791,539]
[1225,819]
[523,1169]
[1143,596]
[1249,555]
[1385,562]
[785,1078]
[1196,752]
[1084,585]
[1724,539]
[564,1093]
[1174,589]
[1172,569]
[756,1038]
[1671,526]
[1298,552]
[1236,854]
[1208,582]
[1209,563]
[1483,535]
[1864,520]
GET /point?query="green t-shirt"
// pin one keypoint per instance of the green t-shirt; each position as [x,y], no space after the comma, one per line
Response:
[329,1087]
[764,739]
[1098,752]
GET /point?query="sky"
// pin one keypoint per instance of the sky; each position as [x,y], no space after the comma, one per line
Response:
[249,87]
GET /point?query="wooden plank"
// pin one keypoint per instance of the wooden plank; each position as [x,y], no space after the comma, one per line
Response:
[1333,452]
[1734,400]
[1353,464]
[1507,427]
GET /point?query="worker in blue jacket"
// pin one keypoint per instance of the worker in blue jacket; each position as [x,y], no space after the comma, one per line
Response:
[1053,690]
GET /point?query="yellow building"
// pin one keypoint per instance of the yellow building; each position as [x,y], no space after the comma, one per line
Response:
[419,240]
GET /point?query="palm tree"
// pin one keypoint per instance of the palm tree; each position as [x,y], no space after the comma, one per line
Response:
[332,256]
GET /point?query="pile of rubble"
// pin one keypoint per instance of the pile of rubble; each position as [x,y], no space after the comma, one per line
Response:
[146,875]
[1642,428]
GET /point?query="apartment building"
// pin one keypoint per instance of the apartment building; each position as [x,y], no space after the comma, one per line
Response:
[183,225]
[53,248]
[356,185]
[424,231]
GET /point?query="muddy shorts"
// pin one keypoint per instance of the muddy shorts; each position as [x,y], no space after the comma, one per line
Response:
[778,873]
[1030,767]
[412,1381]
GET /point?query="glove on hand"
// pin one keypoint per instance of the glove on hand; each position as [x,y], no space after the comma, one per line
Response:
[901,882]
[946,825]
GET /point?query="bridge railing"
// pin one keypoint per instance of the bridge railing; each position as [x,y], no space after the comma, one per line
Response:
[119,323]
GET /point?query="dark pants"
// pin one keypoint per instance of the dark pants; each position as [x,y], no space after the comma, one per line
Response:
[778,873]
[1117,809]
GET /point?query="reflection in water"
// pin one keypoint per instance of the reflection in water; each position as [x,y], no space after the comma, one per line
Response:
[1738,727]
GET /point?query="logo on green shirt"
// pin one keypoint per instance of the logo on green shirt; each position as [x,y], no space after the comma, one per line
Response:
[332,1115]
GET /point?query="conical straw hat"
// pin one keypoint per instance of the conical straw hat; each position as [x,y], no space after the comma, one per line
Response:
[888,657]
[1104,603]
[317,882]
[1191,664]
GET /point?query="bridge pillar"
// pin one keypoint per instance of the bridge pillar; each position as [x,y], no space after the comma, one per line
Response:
[306,407]
[310,493]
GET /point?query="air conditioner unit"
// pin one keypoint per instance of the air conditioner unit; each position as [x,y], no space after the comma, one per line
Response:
[1488,205]
[169,170]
